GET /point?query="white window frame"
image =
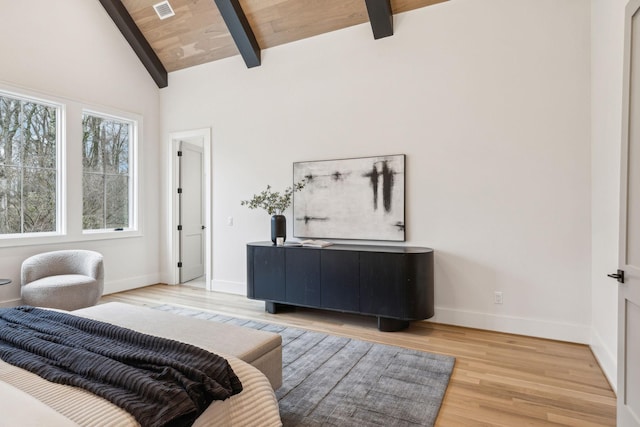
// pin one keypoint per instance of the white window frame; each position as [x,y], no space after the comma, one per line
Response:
[61,219]
[135,122]
[69,164]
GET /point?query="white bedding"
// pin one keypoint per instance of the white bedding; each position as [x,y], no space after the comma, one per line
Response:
[256,405]
[29,399]
[14,403]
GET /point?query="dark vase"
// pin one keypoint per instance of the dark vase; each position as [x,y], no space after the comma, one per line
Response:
[278,228]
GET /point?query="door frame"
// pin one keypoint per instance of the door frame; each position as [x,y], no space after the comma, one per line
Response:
[625,417]
[204,135]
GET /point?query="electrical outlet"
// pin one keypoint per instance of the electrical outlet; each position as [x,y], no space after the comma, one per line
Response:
[230,221]
[497,297]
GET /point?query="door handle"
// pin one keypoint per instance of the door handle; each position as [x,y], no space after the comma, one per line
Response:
[619,276]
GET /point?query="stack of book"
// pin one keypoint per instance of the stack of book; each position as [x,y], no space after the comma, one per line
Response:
[310,243]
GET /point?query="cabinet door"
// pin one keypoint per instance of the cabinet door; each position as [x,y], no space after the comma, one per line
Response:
[268,273]
[383,284]
[420,294]
[340,282]
[303,276]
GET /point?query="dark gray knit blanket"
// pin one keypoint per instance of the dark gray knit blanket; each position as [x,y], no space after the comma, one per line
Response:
[160,382]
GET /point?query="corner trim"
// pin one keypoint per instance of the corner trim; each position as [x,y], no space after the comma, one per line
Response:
[605,359]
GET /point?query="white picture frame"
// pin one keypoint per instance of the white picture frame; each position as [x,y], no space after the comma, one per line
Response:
[360,198]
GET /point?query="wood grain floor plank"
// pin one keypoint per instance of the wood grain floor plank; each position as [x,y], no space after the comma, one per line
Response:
[498,380]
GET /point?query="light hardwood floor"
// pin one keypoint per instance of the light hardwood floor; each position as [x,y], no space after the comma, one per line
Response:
[498,380]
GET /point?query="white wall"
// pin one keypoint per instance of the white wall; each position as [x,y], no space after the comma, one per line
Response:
[489,101]
[72,49]
[607,42]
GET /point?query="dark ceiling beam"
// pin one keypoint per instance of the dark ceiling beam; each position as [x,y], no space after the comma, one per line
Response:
[381,18]
[139,44]
[240,30]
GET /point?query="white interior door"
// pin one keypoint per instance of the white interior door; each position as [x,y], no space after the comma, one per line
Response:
[629,289]
[192,219]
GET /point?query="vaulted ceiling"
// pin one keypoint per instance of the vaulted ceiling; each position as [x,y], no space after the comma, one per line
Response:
[202,31]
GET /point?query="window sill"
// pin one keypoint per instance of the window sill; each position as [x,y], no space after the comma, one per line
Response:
[8,242]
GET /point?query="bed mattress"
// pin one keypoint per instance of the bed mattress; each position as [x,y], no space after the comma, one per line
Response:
[29,399]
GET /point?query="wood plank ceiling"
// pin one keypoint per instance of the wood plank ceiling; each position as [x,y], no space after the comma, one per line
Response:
[198,34]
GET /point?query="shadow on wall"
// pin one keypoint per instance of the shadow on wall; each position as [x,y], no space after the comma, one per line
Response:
[10,269]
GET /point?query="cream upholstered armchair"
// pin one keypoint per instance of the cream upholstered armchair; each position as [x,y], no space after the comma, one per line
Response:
[68,279]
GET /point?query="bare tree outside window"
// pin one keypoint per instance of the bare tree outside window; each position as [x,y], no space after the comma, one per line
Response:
[106,172]
[28,166]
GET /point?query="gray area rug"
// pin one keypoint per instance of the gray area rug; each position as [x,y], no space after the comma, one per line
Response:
[336,381]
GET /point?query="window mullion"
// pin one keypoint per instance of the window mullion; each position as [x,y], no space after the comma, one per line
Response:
[21,165]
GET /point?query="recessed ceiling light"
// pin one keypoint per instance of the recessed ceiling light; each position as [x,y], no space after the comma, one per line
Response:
[164,10]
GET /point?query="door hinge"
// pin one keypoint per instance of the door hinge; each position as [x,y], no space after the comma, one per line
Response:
[180,264]
[179,190]
[179,228]
[619,276]
[179,153]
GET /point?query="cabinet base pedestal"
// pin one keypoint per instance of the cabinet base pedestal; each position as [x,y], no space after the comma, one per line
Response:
[386,324]
[274,307]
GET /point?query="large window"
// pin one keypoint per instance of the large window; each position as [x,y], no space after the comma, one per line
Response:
[29,179]
[107,172]
[36,159]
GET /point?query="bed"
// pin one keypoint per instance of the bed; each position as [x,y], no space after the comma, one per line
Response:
[28,400]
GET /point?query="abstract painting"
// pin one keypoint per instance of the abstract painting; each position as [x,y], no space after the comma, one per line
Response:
[359,199]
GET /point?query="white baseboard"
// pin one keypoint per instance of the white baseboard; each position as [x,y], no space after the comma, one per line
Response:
[606,359]
[228,287]
[11,303]
[570,332]
[110,287]
[166,278]
[113,286]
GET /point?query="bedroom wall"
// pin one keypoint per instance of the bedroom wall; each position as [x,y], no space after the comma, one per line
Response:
[489,101]
[72,49]
[607,45]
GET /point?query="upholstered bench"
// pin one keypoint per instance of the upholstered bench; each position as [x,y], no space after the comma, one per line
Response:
[259,348]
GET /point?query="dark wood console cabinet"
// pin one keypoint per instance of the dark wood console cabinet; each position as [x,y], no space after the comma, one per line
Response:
[394,283]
